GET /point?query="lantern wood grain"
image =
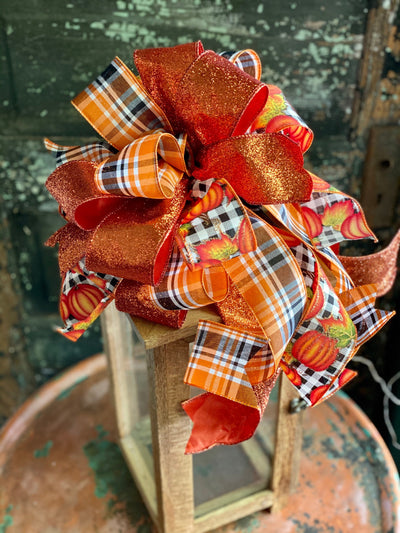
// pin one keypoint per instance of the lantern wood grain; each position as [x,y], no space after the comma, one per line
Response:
[288,441]
[170,432]
[117,337]
[165,477]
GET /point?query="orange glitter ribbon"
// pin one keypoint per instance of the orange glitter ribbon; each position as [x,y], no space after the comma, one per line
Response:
[159,212]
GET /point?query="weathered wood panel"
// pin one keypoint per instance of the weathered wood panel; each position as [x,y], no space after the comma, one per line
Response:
[311,50]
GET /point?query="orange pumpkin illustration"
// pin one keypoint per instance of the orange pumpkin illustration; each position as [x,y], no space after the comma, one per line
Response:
[334,215]
[212,199]
[318,393]
[63,307]
[315,350]
[354,227]
[346,376]
[317,302]
[245,239]
[291,373]
[83,300]
[312,222]
[215,251]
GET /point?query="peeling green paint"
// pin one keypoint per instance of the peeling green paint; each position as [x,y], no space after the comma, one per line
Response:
[7,520]
[247,524]
[43,452]
[113,478]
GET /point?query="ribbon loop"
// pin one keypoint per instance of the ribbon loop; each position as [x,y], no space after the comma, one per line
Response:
[216,228]
[169,239]
[118,107]
[262,168]
[217,100]
[149,167]
[95,152]
[162,69]
[79,197]
[135,241]
[247,60]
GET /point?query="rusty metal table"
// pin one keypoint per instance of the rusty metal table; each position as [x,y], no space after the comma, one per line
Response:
[62,471]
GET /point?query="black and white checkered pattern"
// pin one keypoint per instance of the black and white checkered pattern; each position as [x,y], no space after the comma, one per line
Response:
[95,152]
[306,261]
[222,220]
[318,203]
[200,188]
[73,278]
[310,378]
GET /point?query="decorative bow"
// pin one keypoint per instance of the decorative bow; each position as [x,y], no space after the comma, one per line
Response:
[159,218]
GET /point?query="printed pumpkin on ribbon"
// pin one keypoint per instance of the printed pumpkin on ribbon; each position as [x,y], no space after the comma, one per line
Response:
[84,295]
[331,217]
[215,228]
[279,115]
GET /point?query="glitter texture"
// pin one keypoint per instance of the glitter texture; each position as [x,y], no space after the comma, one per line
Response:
[73,242]
[379,268]
[135,241]
[162,69]
[134,298]
[263,390]
[236,312]
[73,186]
[217,100]
[262,168]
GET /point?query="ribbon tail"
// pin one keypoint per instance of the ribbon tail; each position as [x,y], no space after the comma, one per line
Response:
[84,296]
[233,367]
[218,420]
[379,269]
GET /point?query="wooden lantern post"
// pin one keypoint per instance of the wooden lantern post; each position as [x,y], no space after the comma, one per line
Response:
[154,446]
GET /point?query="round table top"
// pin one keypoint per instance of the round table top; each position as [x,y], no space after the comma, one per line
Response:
[62,470]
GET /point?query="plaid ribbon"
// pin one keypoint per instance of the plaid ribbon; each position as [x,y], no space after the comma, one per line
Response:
[96,152]
[270,281]
[289,215]
[246,60]
[184,288]
[307,263]
[340,279]
[359,303]
[118,107]
[150,167]
[219,359]
[221,230]
[151,161]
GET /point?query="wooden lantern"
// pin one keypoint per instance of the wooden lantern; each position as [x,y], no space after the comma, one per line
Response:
[154,446]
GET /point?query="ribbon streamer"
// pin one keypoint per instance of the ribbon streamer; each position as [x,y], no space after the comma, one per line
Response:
[198,196]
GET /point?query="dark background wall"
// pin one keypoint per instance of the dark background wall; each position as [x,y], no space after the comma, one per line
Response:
[337,61]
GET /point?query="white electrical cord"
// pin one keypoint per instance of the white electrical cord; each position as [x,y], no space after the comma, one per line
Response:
[388,395]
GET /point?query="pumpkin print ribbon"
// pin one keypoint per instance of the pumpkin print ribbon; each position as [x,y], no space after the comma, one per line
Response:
[197,195]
